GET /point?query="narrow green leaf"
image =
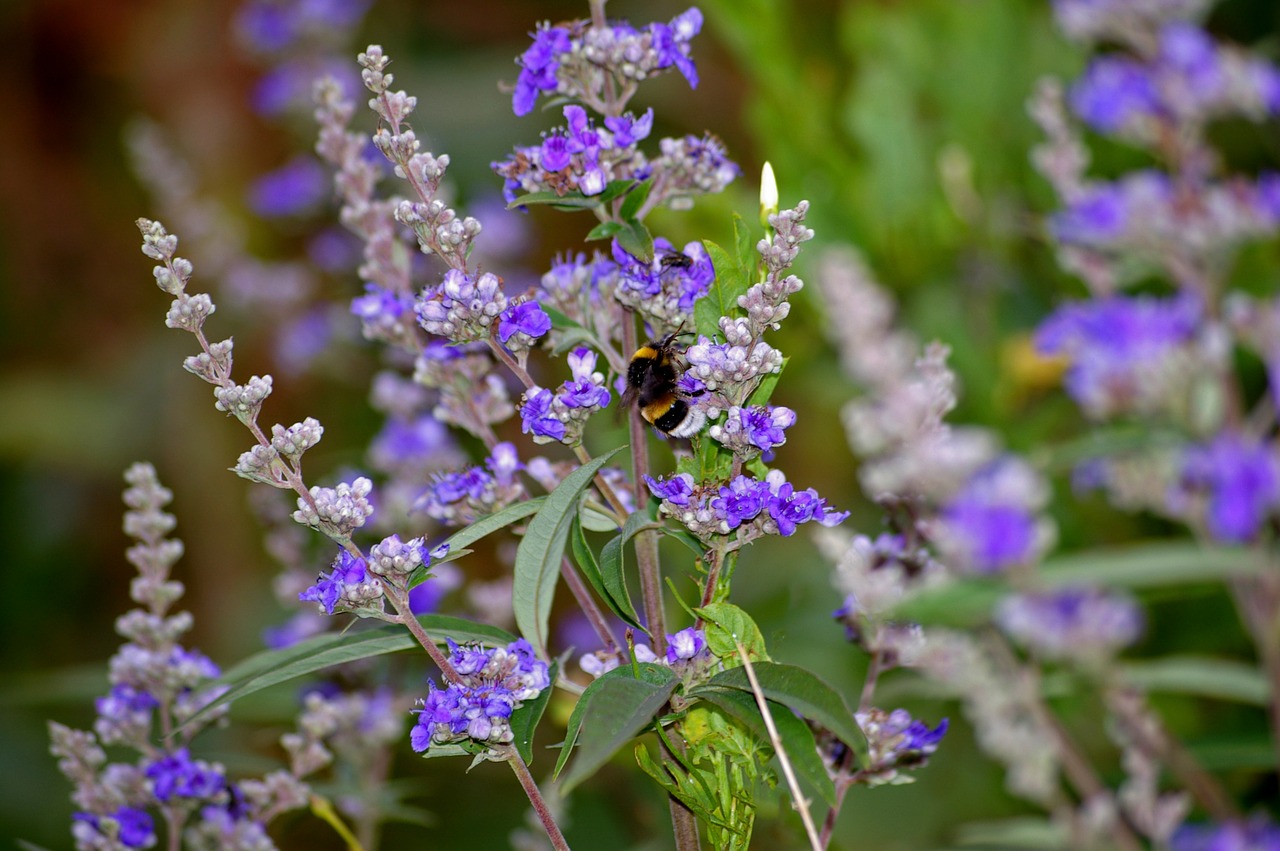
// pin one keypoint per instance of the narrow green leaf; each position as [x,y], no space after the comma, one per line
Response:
[272,667]
[636,240]
[613,567]
[727,626]
[613,710]
[1020,833]
[962,603]
[797,738]
[524,721]
[499,519]
[594,518]
[559,320]
[804,693]
[636,199]
[1153,564]
[569,201]
[590,569]
[605,230]
[538,556]
[615,189]
[1223,679]
[693,544]
[423,572]
[721,298]
[744,240]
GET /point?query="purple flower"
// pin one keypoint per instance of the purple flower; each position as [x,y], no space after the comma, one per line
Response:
[990,524]
[126,705]
[418,442]
[535,414]
[675,490]
[1071,622]
[1113,92]
[555,153]
[135,828]
[1257,834]
[685,645]
[789,507]
[627,129]
[328,588]
[1242,480]
[757,427]
[538,66]
[671,41]
[896,741]
[527,318]
[295,189]
[1113,343]
[175,775]
[741,501]
[586,389]
[1191,54]
[1099,215]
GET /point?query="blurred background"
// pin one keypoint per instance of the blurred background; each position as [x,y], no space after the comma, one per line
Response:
[903,123]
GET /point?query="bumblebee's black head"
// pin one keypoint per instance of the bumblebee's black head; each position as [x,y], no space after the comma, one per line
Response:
[651,385]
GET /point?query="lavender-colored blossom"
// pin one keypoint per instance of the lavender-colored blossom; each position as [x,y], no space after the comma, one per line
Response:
[538,65]
[348,583]
[991,523]
[1116,344]
[176,775]
[1115,91]
[675,490]
[295,189]
[741,501]
[685,645]
[535,415]
[1256,834]
[1071,623]
[586,389]
[758,428]
[627,130]
[671,41]
[526,322]
[789,507]
[461,308]
[134,828]
[1099,215]
[897,741]
[1241,478]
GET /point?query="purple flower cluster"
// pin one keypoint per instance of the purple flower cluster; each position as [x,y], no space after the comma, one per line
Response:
[297,188]
[582,287]
[561,416]
[758,507]
[385,314]
[462,308]
[1257,834]
[128,826]
[494,684]
[897,741]
[520,325]
[661,290]
[687,646]
[347,586]
[1085,624]
[1189,78]
[756,429]
[459,498]
[1239,477]
[1120,348]
[990,524]
[568,59]
[176,775]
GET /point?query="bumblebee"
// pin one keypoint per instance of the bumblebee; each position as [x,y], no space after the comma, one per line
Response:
[651,385]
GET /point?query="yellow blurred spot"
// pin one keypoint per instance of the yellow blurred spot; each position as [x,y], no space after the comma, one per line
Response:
[1027,370]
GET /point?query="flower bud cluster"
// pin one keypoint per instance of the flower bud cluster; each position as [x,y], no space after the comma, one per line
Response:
[437,226]
[689,167]
[494,683]
[462,308]
[349,586]
[243,401]
[1123,20]
[592,64]
[582,289]
[355,725]
[562,415]
[461,497]
[747,432]
[745,507]
[337,511]
[664,290]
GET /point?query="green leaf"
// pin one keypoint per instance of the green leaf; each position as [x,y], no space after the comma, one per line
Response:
[636,200]
[804,693]
[605,230]
[710,462]
[694,545]
[615,189]
[797,738]
[568,202]
[559,320]
[612,710]
[613,569]
[424,572]
[721,298]
[764,390]
[590,569]
[594,518]
[727,623]
[541,550]
[524,721]
[744,240]
[636,240]
[495,521]
[1149,565]
[1223,679]
[272,667]
[1020,833]
[962,603]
